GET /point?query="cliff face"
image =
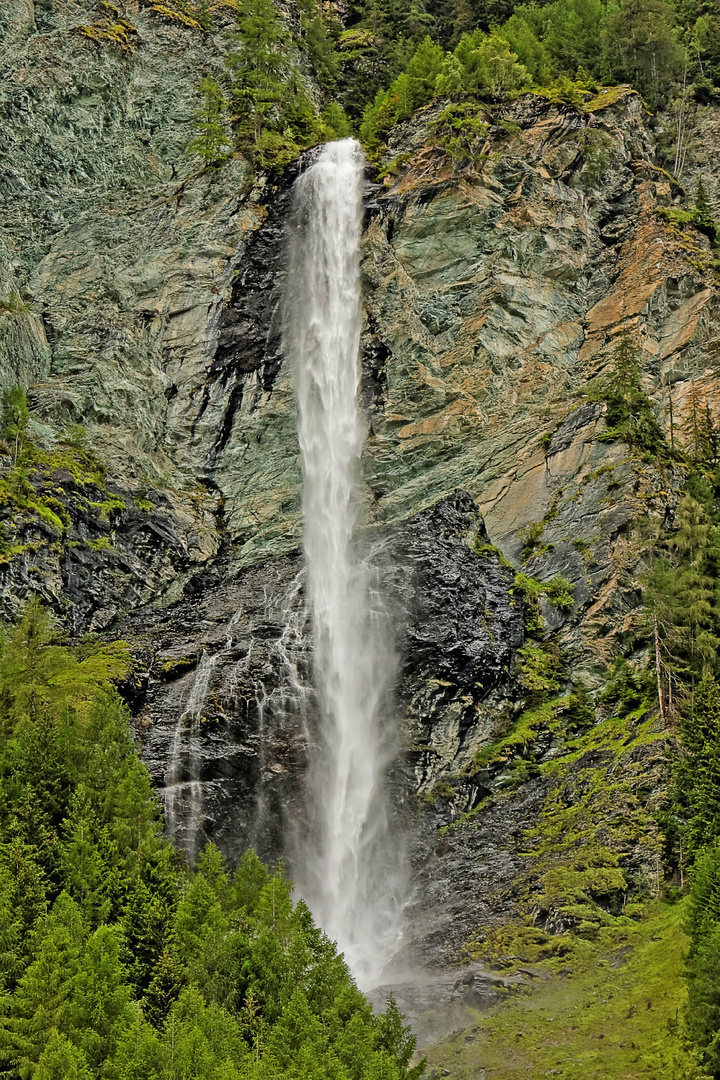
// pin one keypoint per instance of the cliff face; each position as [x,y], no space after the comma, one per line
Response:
[498,294]
[141,300]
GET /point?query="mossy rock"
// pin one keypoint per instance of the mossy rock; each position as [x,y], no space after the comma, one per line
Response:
[173,668]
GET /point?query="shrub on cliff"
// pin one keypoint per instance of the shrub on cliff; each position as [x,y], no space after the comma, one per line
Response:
[630,415]
[212,143]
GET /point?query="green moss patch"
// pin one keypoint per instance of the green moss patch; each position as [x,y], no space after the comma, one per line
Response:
[171,669]
[607,96]
[111,31]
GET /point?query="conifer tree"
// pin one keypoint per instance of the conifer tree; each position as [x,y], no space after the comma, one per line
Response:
[10,932]
[260,67]
[145,972]
[15,417]
[695,610]
[642,46]
[702,213]
[168,981]
[212,142]
[60,1060]
[630,415]
[702,1014]
[84,870]
[140,1054]
[321,29]
[99,1008]
[248,882]
[42,999]
[37,672]
[698,774]
[26,892]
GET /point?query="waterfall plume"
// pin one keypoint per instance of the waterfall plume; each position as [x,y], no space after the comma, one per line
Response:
[348,864]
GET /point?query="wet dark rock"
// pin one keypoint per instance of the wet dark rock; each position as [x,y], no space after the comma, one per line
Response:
[465,879]
[459,628]
[247,751]
[105,556]
[249,329]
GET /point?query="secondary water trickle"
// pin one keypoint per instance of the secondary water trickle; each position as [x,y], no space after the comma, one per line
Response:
[183,789]
[349,864]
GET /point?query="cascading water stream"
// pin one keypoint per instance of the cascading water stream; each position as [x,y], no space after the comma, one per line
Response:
[348,869]
[183,789]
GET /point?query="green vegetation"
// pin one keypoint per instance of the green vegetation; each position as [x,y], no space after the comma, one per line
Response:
[511,759]
[606,953]
[266,108]
[558,591]
[275,116]
[682,632]
[111,30]
[15,418]
[630,414]
[194,14]
[296,79]
[532,533]
[115,959]
[30,485]
[700,216]
[212,142]
[143,504]
[13,304]
[563,50]
[460,130]
[606,1007]
[103,543]
[593,818]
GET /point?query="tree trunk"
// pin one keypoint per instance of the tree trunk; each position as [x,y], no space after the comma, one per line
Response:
[658,673]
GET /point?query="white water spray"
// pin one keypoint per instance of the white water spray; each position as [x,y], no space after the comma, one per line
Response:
[183,797]
[183,788]
[349,869]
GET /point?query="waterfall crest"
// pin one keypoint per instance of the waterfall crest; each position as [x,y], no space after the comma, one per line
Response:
[347,867]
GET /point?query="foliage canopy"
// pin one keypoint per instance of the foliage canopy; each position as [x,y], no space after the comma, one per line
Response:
[116,961]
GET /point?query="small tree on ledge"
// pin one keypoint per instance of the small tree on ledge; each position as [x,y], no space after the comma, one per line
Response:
[212,142]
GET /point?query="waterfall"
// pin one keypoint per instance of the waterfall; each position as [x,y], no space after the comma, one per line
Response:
[183,789]
[348,868]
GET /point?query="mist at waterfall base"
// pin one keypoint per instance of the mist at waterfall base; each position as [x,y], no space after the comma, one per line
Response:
[348,864]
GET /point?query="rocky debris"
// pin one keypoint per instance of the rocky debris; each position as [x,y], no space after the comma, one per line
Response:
[438,1004]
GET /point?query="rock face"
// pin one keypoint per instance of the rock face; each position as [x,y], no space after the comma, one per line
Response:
[495,295]
[458,627]
[240,654]
[139,296]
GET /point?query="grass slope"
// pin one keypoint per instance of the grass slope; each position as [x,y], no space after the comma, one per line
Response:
[610,1009]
